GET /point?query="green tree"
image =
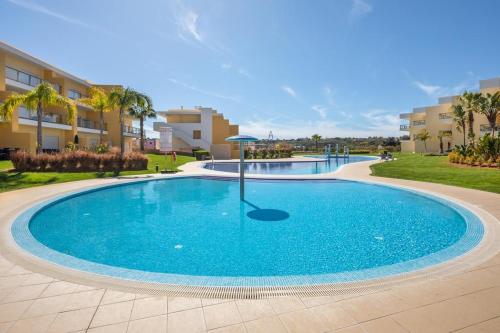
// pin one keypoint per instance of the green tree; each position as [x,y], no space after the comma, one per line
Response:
[39,99]
[460,118]
[441,136]
[123,99]
[99,100]
[143,108]
[423,136]
[316,138]
[471,104]
[489,106]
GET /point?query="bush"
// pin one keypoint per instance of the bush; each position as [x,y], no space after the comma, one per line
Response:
[200,154]
[78,161]
[362,151]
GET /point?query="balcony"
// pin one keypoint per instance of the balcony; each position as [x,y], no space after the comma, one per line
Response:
[418,123]
[49,120]
[404,127]
[487,129]
[90,126]
[24,81]
[131,131]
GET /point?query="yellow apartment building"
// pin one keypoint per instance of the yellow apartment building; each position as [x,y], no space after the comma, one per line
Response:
[202,128]
[439,118]
[21,72]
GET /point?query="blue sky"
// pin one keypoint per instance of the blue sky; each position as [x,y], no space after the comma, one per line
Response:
[337,68]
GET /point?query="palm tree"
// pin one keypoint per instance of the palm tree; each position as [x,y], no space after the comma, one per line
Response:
[99,100]
[123,99]
[316,138]
[490,108]
[141,110]
[471,103]
[40,98]
[424,136]
[460,118]
[441,136]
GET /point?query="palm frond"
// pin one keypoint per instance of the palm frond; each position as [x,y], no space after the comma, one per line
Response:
[10,104]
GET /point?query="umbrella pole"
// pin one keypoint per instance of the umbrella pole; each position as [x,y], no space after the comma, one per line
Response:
[242,172]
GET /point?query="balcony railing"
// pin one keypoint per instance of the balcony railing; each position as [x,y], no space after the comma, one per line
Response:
[28,79]
[487,128]
[87,123]
[445,116]
[48,117]
[131,130]
[404,127]
[418,123]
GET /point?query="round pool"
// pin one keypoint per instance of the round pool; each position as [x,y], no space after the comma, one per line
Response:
[195,231]
[289,168]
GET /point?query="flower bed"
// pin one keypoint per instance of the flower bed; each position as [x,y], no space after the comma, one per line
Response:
[78,161]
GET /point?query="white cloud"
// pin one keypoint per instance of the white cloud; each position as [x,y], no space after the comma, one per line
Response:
[245,73]
[188,23]
[382,120]
[239,70]
[204,92]
[329,95]
[435,91]
[321,110]
[429,89]
[289,90]
[34,7]
[326,128]
[359,9]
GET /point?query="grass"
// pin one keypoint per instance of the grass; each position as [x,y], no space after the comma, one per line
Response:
[437,169]
[11,180]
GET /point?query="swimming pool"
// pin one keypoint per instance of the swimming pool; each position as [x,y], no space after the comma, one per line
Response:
[288,168]
[195,231]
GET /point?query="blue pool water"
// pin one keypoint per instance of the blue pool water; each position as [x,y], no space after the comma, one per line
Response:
[288,168]
[198,227]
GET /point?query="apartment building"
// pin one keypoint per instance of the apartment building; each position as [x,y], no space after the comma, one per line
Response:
[21,72]
[202,128]
[439,118]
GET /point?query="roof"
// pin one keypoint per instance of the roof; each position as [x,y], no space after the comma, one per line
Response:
[10,49]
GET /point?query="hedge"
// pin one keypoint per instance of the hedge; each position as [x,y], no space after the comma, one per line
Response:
[78,161]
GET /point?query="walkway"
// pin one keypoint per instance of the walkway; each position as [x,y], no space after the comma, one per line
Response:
[466,301]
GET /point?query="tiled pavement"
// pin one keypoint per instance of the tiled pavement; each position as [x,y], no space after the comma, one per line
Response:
[464,302]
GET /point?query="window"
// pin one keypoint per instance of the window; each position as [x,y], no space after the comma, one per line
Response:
[34,81]
[24,78]
[11,73]
[74,94]
[196,134]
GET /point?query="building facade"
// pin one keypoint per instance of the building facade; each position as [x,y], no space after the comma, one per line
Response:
[438,118]
[20,73]
[201,128]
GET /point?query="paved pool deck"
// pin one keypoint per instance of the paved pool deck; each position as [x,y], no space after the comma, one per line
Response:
[34,298]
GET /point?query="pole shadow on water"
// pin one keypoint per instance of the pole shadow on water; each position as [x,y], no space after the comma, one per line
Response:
[263,214]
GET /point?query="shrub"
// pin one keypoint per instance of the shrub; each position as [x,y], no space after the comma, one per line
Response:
[78,161]
[21,160]
[200,154]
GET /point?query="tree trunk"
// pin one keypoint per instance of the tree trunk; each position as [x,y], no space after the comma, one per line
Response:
[101,127]
[471,127]
[463,129]
[441,145]
[141,122]
[492,125]
[39,115]
[122,139]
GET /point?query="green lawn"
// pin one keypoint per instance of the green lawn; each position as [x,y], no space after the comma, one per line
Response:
[437,169]
[10,180]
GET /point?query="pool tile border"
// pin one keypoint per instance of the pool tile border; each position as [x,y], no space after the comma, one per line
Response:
[24,238]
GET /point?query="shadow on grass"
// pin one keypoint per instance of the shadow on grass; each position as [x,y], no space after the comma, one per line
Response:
[12,180]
